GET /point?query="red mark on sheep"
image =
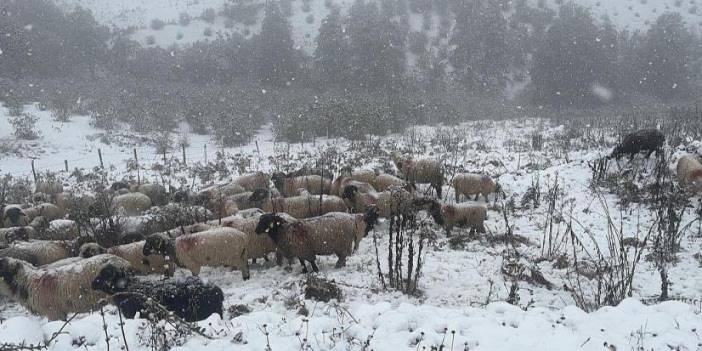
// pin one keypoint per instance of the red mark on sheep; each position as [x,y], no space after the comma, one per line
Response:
[187,243]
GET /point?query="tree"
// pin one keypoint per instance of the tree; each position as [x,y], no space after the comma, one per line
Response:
[276,54]
[331,58]
[666,64]
[570,62]
[377,45]
[481,40]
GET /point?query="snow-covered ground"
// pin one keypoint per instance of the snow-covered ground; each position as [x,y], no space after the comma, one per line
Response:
[461,286]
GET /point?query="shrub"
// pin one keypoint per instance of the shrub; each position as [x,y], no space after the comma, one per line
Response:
[24,126]
[157,24]
[310,18]
[207,32]
[150,40]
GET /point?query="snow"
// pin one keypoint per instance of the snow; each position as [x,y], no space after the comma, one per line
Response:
[460,286]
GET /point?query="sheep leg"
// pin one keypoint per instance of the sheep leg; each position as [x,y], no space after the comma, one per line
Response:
[245,270]
[438,191]
[304,266]
[341,262]
[477,197]
[458,196]
[314,265]
[253,260]
[481,229]
[195,270]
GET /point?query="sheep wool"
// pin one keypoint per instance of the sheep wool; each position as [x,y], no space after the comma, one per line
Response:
[384,181]
[305,206]
[689,172]
[341,182]
[314,184]
[38,252]
[215,247]
[470,184]
[251,182]
[47,210]
[133,204]
[259,246]
[156,192]
[57,290]
[469,215]
[12,234]
[49,187]
[132,253]
[422,171]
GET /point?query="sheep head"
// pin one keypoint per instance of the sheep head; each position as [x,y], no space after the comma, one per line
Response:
[9,271]
[269,223]
[259,195]
[111,280]
[14,214]
[278,179]
[158,245]
[349,192]
[91,249]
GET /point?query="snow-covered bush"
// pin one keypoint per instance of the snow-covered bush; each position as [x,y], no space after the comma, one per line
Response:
[24,126]
[157,24]
[184,19]
[209,16]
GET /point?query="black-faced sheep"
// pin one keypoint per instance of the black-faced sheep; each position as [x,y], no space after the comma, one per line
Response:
[133,204]
[57,290]
[470,184]
[12,234]
[14,216]
[188,298]
[215,247]
[332,234]
[259,246]
[421,171]
[290,186]
[689,172]
[134,254]
[645,140]
[471,215]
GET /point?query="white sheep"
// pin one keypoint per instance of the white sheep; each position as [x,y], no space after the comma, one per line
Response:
[259,246]
[384,181]
[134,254]
[470,184]
[56,290]
[216,247]
[251,182]
[133,204]
[421,171]
[332,234]
[471,215]
[41,252]
[61,229]
[395,201]
[689,172]
[290,186]
[341,182]
[304,206]
[47,210]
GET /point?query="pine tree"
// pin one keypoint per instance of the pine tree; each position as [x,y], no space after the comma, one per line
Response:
[666,63]
[331,58]
[276,55]
[570,61]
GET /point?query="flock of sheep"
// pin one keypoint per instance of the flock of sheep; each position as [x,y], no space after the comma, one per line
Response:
[54,269]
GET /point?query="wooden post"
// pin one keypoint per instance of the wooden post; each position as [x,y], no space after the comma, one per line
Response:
[65,163]
[184,160]
[34,172]
[102,165]
[136,160]
[257,148]
[164,156]
[205,153]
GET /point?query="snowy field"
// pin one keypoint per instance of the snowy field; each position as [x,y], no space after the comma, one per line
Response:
[463,283]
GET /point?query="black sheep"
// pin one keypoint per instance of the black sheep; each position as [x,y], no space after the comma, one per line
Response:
[645,140]
[189,298]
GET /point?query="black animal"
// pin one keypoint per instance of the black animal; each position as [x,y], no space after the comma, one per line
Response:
[13,217]
[645,140]
[188,298]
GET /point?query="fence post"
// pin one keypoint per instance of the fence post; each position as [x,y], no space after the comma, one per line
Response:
[65,163]
[136,160]
[102,165]
[34,173]
[205,153]
[184,160]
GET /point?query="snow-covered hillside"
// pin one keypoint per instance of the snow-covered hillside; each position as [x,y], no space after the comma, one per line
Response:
[630,14]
